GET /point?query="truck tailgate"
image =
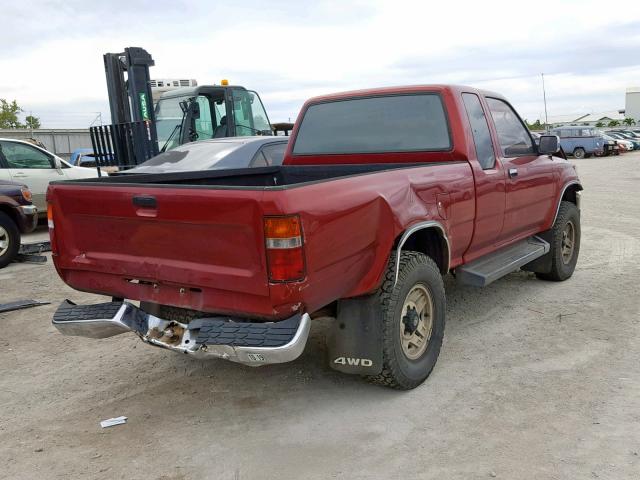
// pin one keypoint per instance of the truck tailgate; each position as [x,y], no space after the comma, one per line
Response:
[189,245]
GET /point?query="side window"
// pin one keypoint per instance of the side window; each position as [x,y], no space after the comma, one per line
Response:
[251,119]
[22,156]
[513,136]
[204,124]
[480,128]
[274,153]
[259,160]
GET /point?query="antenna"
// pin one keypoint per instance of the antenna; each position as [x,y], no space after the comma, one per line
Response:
[544,96]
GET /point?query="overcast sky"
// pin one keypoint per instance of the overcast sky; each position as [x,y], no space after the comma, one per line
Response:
[51,51]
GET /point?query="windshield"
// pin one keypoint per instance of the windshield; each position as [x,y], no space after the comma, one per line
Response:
[191,157]
[168,117]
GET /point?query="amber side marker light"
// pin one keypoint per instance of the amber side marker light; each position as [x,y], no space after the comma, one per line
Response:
[285,255]
[26,194]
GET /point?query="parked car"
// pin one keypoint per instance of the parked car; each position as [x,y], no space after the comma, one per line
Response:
[581,142]
[86,157]
[381,193]
[624,142]
[234,152]
[34,166]
[17,216]
[627,135]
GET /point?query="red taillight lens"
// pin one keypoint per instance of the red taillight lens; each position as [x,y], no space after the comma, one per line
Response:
[285,265]
[285,253]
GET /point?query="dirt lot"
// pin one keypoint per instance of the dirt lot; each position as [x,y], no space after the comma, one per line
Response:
[535,380]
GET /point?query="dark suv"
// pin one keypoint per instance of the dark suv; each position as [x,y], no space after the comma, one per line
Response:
[17,216]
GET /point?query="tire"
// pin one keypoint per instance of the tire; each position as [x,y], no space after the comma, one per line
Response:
[563,265]
[579,153]
[9,240]
[418,275]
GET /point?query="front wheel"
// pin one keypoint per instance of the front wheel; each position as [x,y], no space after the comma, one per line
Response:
[579,153]
[564,243]
[413,320]
[9,240]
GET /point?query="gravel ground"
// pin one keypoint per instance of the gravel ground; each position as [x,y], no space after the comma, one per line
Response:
[535,380]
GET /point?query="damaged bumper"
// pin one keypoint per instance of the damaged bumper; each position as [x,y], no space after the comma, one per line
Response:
[252,344]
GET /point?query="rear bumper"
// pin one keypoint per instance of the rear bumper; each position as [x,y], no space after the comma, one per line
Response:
[253,344]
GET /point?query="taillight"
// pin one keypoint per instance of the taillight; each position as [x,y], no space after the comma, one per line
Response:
[285,255]
[50,215]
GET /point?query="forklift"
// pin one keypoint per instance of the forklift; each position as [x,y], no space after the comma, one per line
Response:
[139,131]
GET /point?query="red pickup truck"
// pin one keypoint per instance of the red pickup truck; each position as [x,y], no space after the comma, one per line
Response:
[382,192]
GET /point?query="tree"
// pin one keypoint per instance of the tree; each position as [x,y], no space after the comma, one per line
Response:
[613,123]
[32,122]
[535,125]
[599,124]
[9,114]
[629,121]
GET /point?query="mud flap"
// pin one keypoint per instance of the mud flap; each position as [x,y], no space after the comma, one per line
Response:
[541,264]
[354,342]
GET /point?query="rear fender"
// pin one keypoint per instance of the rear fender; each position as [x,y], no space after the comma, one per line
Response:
[428,237]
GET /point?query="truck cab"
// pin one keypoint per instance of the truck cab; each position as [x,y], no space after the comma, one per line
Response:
[198,113]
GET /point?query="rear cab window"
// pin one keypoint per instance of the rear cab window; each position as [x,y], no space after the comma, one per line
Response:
[393,123]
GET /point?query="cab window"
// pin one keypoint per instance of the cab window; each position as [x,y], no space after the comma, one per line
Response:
[204,124]
[480,128]
[512,134]
[250,117]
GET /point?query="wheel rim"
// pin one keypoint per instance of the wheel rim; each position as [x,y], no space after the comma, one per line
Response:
[568,242]
[4,241]
[416,322]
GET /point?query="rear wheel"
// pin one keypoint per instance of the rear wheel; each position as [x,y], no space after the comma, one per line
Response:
[413,320]
[579,152]
[565,243]
[9,240]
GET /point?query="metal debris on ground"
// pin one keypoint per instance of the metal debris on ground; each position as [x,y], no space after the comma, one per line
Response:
[110,422]
[34,248]
[19,305]
[30,258]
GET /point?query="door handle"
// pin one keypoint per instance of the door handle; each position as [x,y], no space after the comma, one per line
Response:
[145,201]
[513,172]
[19,175]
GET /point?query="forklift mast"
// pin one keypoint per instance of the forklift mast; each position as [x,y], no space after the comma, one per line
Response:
[131,138]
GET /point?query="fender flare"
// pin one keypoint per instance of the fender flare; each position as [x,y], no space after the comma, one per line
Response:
[564,189]
[413,229]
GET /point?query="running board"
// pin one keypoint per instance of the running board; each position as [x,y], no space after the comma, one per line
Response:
[491,267]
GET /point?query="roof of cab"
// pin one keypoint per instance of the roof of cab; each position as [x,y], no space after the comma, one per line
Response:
[400,90]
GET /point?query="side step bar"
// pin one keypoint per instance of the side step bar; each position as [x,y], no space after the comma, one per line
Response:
[491,267]
[248,343]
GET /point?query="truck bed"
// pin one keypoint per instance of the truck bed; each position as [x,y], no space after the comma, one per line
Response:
[195,240]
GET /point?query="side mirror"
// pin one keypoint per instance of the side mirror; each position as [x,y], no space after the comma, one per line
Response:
[549,144]
[57,163]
